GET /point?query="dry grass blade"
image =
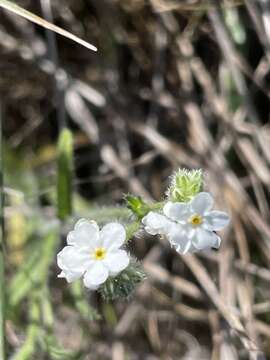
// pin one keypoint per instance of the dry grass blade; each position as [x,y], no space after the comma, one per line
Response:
[165,6]
[110,158]
[39,21]
[203,277]
[179,284]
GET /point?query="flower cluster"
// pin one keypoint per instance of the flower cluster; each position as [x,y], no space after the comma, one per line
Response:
[186,219]
[188,226]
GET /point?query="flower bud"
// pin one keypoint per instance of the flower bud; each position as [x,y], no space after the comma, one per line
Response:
[185,184]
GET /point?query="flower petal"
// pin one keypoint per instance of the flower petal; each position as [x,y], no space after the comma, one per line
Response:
[73,259]
[155,223]
[175,211]
[116,261]
[216,220]
[112,236]
[178,237]
[85,234]
[202,203]
[69,275]
[84,223]
[205,239]
[96,275]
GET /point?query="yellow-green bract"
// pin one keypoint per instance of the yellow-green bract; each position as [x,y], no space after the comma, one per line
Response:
[185,184]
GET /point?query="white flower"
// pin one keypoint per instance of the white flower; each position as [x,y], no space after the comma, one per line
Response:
[93,254]
[188,226]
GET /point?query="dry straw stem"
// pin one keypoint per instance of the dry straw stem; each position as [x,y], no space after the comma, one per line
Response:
[161,6]
[10,6]
[110,158]
[208,285]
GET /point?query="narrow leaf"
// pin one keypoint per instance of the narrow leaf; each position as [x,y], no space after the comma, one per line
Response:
[34,272]
[8,5]
[64,174]
[33,332]
[81,304]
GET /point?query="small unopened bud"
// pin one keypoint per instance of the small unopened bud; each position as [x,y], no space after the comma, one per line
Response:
[185,184]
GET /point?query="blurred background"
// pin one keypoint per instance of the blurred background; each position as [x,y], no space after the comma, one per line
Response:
[173,84]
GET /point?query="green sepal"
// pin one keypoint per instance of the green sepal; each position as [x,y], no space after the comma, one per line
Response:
[137,205]
[131,229]
[123,285]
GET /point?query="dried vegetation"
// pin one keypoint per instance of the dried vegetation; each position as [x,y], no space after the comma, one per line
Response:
[174,84]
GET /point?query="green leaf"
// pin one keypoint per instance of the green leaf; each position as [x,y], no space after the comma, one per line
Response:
[56,351]
[10,6]
[81,304]
[33,332]
[64,174]
[136,205]
[34,273]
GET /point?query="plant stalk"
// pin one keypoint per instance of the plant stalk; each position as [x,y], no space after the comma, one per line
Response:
[2,248]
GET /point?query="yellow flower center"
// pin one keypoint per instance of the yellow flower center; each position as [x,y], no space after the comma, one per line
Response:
[196,220]
[100,253]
